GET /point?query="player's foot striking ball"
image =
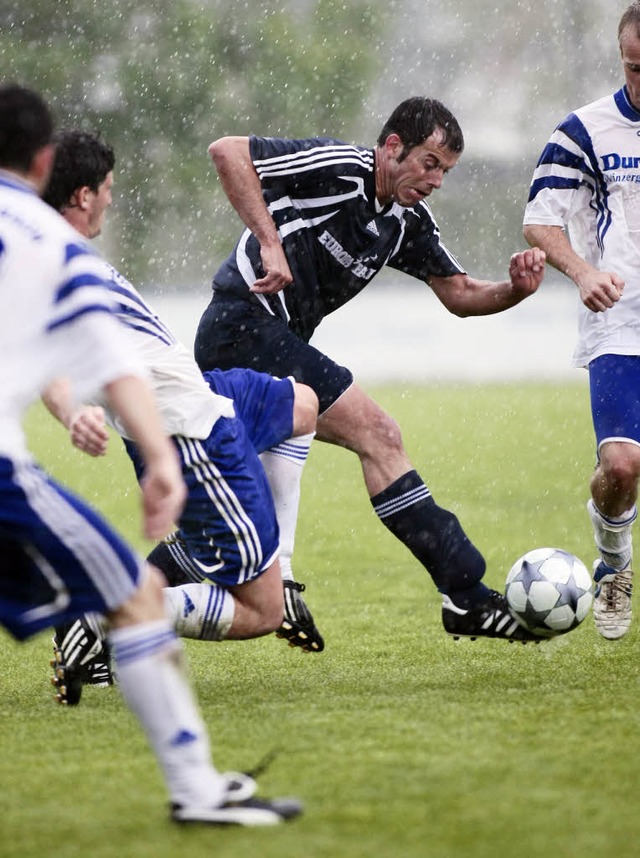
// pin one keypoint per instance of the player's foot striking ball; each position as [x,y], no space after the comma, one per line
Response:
[491,619]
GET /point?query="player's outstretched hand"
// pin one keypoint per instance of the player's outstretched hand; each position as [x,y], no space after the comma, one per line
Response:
[88,430]
[526,270]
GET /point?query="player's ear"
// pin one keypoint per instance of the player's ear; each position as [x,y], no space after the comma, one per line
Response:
[393,145]
[80,198]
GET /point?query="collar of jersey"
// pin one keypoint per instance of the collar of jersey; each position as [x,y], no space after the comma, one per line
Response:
[624,105]
[10,180]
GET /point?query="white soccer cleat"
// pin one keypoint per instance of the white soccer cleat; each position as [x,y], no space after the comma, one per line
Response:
[240,806]
[612,605]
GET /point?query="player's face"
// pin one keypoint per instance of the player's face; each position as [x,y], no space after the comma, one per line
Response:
[99,201]
[421,171]
[630,52]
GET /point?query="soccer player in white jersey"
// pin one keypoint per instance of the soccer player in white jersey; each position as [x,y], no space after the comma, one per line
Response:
[323,217]
[227,544]
[584,212]
[58,557]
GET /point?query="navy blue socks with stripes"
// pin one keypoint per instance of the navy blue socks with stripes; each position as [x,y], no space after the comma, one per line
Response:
[435,537]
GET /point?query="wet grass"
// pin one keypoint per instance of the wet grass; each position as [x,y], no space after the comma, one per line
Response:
[401,742]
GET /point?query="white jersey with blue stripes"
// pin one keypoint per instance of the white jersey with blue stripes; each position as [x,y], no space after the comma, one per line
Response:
[588,181]
[56,312]
[186,403]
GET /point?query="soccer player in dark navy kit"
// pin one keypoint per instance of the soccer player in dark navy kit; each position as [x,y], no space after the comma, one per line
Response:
[323,217]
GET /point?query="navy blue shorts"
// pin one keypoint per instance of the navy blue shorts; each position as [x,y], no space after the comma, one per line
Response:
[614,382]
[237,333]
[58,558]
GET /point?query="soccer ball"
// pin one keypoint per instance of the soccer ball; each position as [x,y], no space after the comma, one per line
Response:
[549,591]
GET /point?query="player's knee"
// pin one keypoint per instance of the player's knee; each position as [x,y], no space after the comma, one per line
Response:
[621,464]
[305,411]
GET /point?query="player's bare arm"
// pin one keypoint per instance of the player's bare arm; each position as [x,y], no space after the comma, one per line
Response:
[86,423]
[244,191]
[599,290]
[464,296]
[88,430]
[163,489]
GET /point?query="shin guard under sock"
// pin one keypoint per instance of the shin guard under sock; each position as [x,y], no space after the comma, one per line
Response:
[433,535]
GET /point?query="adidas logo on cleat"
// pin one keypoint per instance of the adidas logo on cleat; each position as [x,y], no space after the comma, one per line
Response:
[492,619]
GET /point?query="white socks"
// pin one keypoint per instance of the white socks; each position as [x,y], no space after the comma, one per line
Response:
[201,611]
[152,679]
[283,465]
[613,535]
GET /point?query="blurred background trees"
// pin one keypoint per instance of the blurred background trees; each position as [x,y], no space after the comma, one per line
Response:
[160,79]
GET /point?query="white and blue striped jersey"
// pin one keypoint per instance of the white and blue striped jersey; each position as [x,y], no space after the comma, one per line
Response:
[56,314]
[321,195]
[185,401]
[588,181]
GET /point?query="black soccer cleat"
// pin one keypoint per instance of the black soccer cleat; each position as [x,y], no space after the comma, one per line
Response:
[80,657]
[67,681]
[298,626]
[491,619]
[240,807]
[99,672]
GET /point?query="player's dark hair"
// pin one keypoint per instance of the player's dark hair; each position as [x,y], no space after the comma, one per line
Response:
[83,159]
[630,16]
[416,119]
[26,125]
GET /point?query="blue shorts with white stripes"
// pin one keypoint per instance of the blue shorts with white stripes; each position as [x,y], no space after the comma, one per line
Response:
[263,402]
[58,557]
[229,524]
[229,520]
[614,382]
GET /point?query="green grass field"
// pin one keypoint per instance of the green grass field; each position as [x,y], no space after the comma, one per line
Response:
[401,742]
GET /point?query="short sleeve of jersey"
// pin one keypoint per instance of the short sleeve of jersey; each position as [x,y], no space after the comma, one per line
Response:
[82,325]
[566,173]
[422,253]
[294,164]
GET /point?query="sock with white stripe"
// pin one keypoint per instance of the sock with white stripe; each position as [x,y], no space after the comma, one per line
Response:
[152,678]
[612,535]
[283,465]
[201,611]
[435,537]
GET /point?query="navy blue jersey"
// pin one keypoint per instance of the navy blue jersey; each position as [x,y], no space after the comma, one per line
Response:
[321,195]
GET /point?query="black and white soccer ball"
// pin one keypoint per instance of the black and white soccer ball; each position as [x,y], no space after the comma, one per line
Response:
[549,591]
